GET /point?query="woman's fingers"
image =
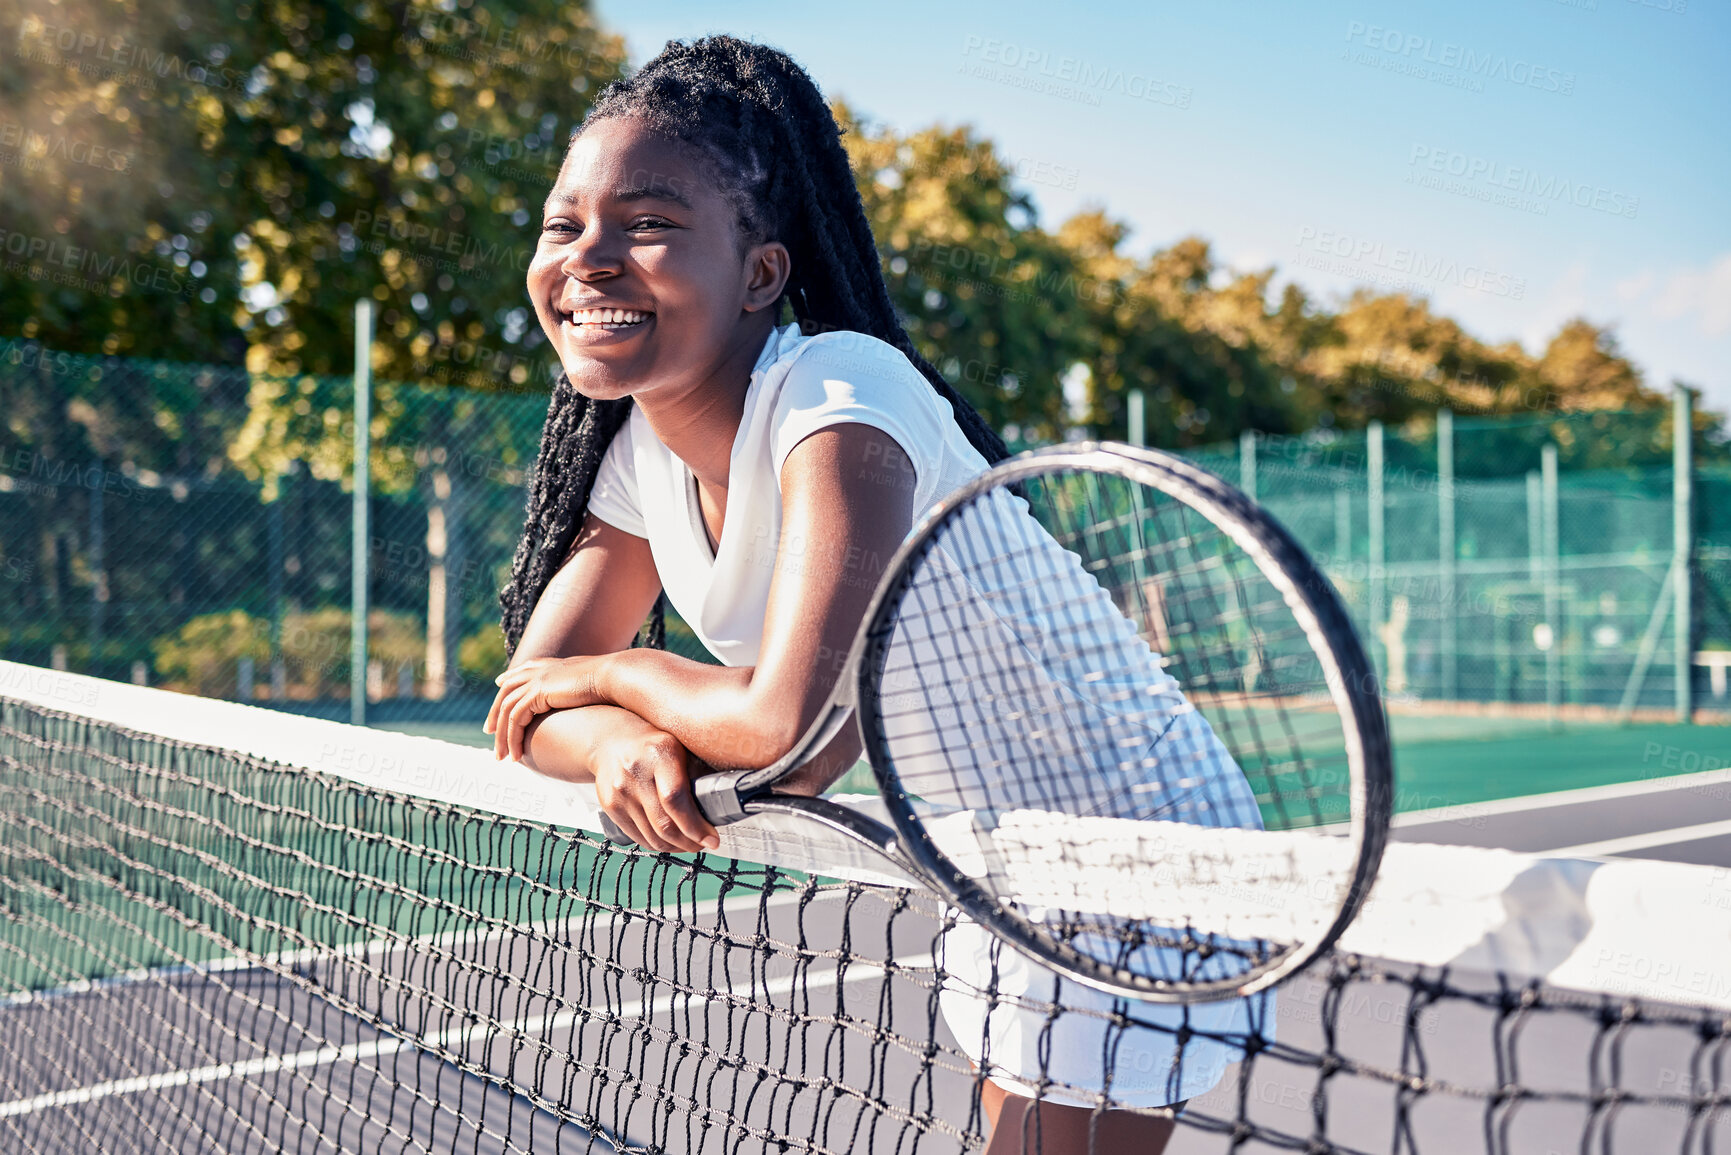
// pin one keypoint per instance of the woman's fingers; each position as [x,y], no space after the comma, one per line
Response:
[629,821]
[506,703]
[523,711]
[508,720]
[649,795]
[678,802]
[492,722]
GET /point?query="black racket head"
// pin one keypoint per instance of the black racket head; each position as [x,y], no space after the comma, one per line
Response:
[1120,718]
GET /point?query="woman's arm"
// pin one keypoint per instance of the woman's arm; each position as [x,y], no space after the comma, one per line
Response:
[847,503]
[598,599]
[594,605]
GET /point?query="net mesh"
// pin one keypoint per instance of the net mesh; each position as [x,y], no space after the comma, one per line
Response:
[214,948]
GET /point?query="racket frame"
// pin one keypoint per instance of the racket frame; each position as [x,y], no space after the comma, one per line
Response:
[729,796]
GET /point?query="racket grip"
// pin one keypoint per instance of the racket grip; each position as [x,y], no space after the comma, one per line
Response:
[718,798]
[614,834]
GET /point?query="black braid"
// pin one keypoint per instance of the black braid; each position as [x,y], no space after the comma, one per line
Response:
[767,136]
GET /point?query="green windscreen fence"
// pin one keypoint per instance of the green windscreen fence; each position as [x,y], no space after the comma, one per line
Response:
[189,526]
[1538,571]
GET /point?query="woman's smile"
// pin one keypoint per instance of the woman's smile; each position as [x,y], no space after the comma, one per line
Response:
[591,326]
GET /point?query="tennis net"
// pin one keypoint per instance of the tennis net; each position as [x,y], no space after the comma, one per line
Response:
[225,928]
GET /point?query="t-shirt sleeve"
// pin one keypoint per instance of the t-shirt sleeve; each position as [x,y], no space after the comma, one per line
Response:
[846,383]
[614,496]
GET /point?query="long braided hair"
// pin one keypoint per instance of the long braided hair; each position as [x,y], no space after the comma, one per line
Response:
[763,130]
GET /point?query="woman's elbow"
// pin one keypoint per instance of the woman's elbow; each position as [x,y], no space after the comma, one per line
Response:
[764,736]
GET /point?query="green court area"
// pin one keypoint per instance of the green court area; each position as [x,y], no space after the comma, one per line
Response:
[1450,759]
[1447,761]
[462,733]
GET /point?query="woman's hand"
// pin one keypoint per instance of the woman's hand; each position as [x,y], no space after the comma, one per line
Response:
[643,782]
[535,687]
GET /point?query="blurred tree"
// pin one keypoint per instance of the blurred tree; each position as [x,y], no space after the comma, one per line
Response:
[998,304]
[1583,368]
[1196,340]
[265,163]
[1389,357]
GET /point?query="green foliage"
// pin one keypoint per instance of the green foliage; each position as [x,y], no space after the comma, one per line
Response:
[481,655]
[203,655]
[264,164]
[999,305]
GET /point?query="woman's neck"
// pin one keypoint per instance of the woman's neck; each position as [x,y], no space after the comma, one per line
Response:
[699,424]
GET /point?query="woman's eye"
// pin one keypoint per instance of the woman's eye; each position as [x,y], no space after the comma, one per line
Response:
[642,223]
[557,226]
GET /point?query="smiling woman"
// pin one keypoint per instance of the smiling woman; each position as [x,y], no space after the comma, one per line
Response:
[755,473]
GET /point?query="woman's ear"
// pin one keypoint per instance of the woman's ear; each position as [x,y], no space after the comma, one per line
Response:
[767,267]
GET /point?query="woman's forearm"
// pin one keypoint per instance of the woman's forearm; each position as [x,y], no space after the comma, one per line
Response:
[714,711]
[561,744]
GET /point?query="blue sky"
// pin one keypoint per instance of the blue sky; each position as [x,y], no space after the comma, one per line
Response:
[1519,162]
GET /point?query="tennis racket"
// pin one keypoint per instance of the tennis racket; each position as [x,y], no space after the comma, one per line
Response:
[1117,716]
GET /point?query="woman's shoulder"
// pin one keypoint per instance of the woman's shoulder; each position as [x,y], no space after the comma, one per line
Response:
[857,362]
[843,377]
[846,353]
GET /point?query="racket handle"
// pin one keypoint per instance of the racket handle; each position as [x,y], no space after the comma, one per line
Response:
[718,797]
[614,834]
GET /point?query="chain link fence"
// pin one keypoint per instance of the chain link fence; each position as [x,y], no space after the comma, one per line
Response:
[190,526]
[1524,562]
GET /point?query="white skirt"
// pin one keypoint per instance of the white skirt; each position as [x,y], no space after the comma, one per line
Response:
[1082,1054]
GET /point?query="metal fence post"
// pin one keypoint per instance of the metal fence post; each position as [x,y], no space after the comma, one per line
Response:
[1682,546]
[1247,463]
[1553,582]
[1374,572]
[98,568]
[1446,549]
[274,530]
[1535,528]
[363,485]
[1138,417]
[1342,528]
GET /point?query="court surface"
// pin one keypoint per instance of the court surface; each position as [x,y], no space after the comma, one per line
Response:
[260,1062]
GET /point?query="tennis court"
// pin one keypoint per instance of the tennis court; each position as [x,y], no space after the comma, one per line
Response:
[376,942]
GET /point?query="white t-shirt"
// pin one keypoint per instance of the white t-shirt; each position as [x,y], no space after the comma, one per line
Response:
[799,385]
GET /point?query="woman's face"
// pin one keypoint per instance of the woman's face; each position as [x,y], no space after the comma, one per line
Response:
[639,280]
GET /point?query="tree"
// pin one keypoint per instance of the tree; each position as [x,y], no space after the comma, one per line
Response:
[1197,352]
[1583,368]
[987,295]
[276,159]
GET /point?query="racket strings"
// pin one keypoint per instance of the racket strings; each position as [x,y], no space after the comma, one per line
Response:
[1097,649]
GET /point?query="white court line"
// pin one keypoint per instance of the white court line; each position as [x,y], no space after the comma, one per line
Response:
[358,1052]
[1527,802]
[282,960]
[1648,841]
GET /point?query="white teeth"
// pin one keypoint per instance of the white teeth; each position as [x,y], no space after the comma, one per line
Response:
[606,317]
